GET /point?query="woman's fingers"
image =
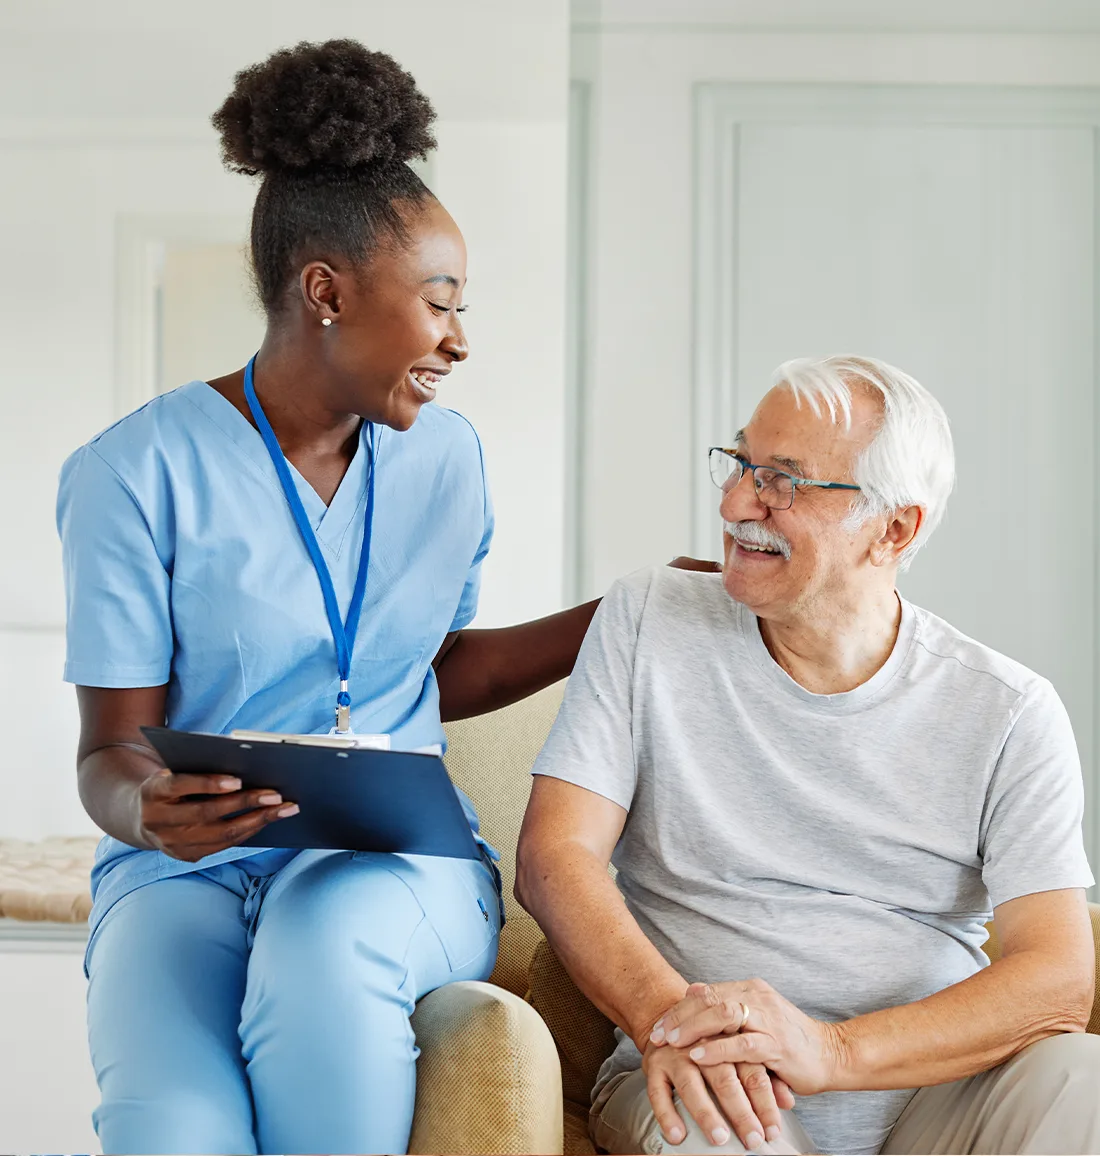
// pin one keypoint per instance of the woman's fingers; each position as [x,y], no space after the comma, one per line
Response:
[660,1100]
[210,811]
[230,832]
[192,816]
[194,843]
[684,563]
[207,812]
[168,785]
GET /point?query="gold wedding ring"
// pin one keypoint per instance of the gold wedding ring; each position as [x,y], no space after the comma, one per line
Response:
[745,1013]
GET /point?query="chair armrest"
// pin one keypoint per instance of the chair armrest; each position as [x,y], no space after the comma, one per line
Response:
[1094,1020]
[488,1077]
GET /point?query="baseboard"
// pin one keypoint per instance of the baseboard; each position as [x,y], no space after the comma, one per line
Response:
[40,935]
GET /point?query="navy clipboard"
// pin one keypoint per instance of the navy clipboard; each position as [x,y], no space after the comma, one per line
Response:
[350,800]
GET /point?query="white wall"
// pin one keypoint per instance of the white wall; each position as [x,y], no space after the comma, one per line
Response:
[47,1085]
[104,125]
[651,365]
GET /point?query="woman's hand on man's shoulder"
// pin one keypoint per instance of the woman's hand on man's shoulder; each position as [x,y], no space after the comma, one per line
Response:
[704,564]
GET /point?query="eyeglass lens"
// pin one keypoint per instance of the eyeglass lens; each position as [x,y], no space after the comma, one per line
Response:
[774,489]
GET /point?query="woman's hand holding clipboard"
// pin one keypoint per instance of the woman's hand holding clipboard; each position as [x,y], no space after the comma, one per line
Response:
[351,798]
[190,816]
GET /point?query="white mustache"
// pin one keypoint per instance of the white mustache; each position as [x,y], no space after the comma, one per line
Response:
[758,534]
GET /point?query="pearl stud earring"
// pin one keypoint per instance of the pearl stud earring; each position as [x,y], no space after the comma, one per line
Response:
[326,320]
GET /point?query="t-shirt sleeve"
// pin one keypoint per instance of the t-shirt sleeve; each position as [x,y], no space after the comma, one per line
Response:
[467,603]
[1031,838]
[118,621]
[591,743]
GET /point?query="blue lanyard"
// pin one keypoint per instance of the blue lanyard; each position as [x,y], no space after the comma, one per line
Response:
[343,633]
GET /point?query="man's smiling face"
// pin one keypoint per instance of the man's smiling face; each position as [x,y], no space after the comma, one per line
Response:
[783,561]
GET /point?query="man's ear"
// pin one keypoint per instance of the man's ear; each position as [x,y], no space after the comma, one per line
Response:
[320,287]
[901,529]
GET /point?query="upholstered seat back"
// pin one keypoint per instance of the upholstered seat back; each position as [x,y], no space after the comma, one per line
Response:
[490,758]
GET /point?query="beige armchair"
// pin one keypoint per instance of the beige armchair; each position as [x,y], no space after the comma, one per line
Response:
[498,1073]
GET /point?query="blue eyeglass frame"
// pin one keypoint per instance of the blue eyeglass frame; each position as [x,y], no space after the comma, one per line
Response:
[750,468]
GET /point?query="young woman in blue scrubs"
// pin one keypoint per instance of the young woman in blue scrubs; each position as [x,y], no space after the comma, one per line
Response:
[243,1000]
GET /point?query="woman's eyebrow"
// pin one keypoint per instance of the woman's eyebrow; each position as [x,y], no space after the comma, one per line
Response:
[442,279]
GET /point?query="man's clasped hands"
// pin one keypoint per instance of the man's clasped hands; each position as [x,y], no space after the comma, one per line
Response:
[742,1048]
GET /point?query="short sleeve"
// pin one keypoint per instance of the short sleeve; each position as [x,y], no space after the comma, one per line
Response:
[467,604]
[1031,839]
[591,743]
[118,621]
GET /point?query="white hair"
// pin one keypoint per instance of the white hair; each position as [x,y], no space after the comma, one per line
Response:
[911,459]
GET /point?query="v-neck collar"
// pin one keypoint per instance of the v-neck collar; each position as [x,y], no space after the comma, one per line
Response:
[330,523]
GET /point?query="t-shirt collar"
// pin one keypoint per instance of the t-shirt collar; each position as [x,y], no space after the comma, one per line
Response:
[861,697]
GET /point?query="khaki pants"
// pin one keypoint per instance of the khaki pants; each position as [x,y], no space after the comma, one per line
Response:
[1046,1099]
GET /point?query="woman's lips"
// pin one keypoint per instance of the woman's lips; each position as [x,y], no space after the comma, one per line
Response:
[424,382]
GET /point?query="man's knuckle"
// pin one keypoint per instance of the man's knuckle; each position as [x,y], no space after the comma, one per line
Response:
[743,1120]
[712,997]
[723,1079]
[757,1079]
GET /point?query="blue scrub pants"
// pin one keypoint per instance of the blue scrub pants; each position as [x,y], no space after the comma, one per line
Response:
[263,1005]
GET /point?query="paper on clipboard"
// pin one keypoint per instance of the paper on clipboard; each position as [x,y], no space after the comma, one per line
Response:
[348,741]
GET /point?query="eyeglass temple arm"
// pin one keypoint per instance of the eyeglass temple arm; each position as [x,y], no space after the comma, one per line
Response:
[823,485]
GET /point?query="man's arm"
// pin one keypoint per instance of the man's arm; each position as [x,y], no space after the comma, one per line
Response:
[561,878]
[1041,986]
[565,847]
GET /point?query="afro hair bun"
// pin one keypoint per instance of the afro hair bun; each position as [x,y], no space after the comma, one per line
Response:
[323,110]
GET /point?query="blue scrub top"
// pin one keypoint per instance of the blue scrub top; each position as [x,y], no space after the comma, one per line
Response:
[183,566]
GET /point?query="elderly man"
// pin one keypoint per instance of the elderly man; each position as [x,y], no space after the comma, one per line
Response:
[816,794]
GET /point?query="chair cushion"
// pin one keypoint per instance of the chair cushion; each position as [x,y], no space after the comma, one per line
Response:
[46,880]
[584,1035]
[576,1140]
[490,758]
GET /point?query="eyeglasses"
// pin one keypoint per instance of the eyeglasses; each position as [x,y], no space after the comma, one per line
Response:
[774,488]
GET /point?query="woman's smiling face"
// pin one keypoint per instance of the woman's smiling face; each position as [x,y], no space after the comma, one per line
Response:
[396,328]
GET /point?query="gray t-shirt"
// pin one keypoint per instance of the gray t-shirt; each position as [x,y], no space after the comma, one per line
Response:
[846,848]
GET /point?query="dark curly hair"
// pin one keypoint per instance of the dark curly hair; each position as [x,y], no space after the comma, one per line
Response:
[330,127]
